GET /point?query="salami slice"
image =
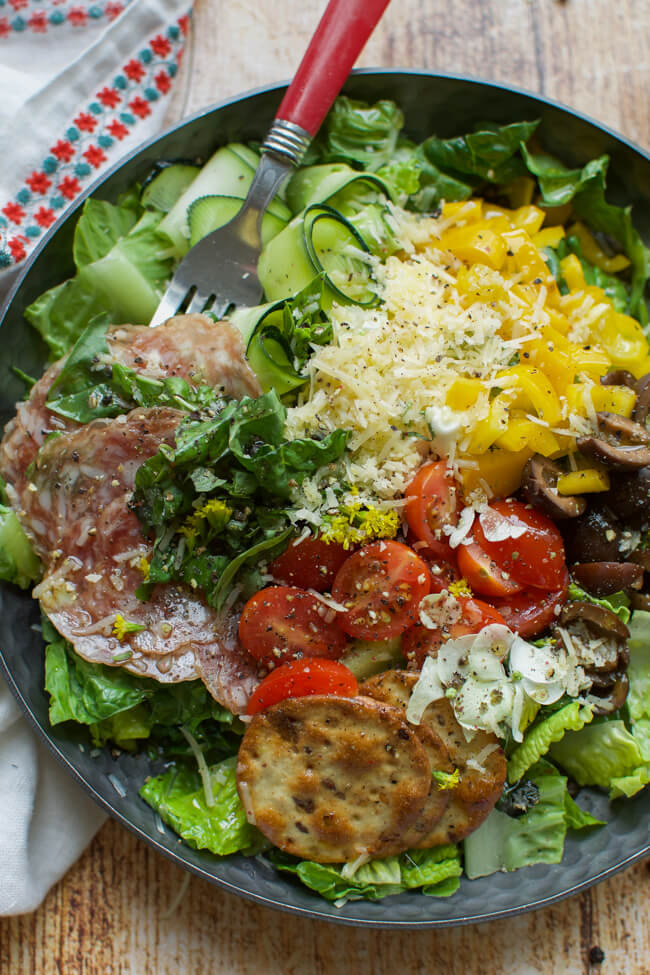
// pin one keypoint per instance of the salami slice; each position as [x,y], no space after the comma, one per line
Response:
[75,506]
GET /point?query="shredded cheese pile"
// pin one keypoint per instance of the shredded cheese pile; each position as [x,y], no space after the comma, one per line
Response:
[473,355]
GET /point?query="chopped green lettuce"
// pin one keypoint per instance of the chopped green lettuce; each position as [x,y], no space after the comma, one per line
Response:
[598,753]
[505,843]
[19,563]
[618,602]
[543,733]
[435,872]
[358,133]
[178,796]
[120,707]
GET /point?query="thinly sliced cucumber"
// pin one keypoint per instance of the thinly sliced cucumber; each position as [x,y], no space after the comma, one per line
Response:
[269,357]
[164,188]
[246,154]
[318,241]
[210,212]
[319,184]
[365,658]
[224,174]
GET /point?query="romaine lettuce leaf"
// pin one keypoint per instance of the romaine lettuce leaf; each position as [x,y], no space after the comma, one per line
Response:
[356,132]
[598,753]
[435,871]
[178,796]
[638,671]
[541,735]
[618,602]
[99,228]
[506,843]
[19,563]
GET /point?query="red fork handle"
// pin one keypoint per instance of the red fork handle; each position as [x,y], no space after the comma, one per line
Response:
[340,37]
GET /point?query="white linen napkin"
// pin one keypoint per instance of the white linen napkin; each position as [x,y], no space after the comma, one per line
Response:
[82,82]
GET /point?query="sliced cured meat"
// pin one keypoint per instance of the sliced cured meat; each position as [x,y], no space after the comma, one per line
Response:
[76,509]
[226,669]
[190,346]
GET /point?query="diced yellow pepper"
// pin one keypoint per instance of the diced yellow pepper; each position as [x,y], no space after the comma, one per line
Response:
[516,436]
[463,393]
[613,399]
[543,441]
[475,245]
[623,340]
[593,252]
[589,481]
[592,360]
[552,354]
[525,257]
[529,218]
[486,431]
[549,237]
[499,469]
[492,212]
[468,210]
[533,389]
[479,281]
[559,321]
[572,273]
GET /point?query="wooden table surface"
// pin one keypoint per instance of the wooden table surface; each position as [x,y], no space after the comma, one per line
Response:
[110,915]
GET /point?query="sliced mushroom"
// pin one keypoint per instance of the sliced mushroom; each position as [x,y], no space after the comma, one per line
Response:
[597,618]
[611,694]
[539,487]
[619,377]
[605,578]
[622,444]
[640,557]
[642,407]
[640,600]
[629,496]
[594,537]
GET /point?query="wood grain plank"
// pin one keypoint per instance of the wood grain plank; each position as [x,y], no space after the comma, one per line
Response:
[110,914]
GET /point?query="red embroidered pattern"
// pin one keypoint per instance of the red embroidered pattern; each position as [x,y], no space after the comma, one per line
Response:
[53,13]
[88,142]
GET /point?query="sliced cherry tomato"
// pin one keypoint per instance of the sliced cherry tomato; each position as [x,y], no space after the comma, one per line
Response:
[419,641]
[531,612]
[482,572]
[380,586]
[535,557]
[310,563]
[299,678]
[433,503]
[283,622]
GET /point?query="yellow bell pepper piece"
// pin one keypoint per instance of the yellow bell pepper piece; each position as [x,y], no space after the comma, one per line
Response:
[592,360]
[525,258]
[552,355]
[529,218]
[559,321]
[549,237]
[492,212]
[533,389]
[593,252]
[572,273]
[516,436]
[589,481]
[623,340]
[613,399]
[486,431]
[499,469]
[543,441]
[479,281]
[467,210]
[463,393]
[475,245]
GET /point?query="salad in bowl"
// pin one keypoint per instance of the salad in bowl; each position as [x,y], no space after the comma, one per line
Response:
[361,568]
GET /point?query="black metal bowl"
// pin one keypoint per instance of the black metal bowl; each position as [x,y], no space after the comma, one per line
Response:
[432,103]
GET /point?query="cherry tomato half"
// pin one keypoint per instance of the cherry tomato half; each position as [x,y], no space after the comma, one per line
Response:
[299,678]
[310,563]
[531,612]
[433,503]
[419,641]
[482,572]
[535,557]
[380,586]
[283,622]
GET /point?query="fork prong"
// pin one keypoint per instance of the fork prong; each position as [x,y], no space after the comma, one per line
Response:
[169,303]
[219,307]
[197,303]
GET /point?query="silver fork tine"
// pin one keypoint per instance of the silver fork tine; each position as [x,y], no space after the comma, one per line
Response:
[197,304]
[169,303]
[219,307]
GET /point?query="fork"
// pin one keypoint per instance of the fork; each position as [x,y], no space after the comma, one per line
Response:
[221,269]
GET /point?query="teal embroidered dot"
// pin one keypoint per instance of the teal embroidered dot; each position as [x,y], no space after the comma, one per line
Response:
[82,169]
[23,196]
[145,56]
[171,70]
[18,24]
[127,118]
[105,141]
[95,108]
[33,231]
[95,12]
[3,3]
[56,17]
[56,202]
[151,94]
[5,258]
[3,222]
[120,81]
[173,32]
[50,164]
[72,134]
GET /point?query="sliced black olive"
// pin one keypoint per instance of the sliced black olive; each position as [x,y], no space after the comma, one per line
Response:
[604,578]
[641,558]
[619,377]
[597,618]
[640,600]
[642,407]
[539,488]
[593,537]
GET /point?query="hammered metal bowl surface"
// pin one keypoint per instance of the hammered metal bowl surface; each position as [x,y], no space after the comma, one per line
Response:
[431,103]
